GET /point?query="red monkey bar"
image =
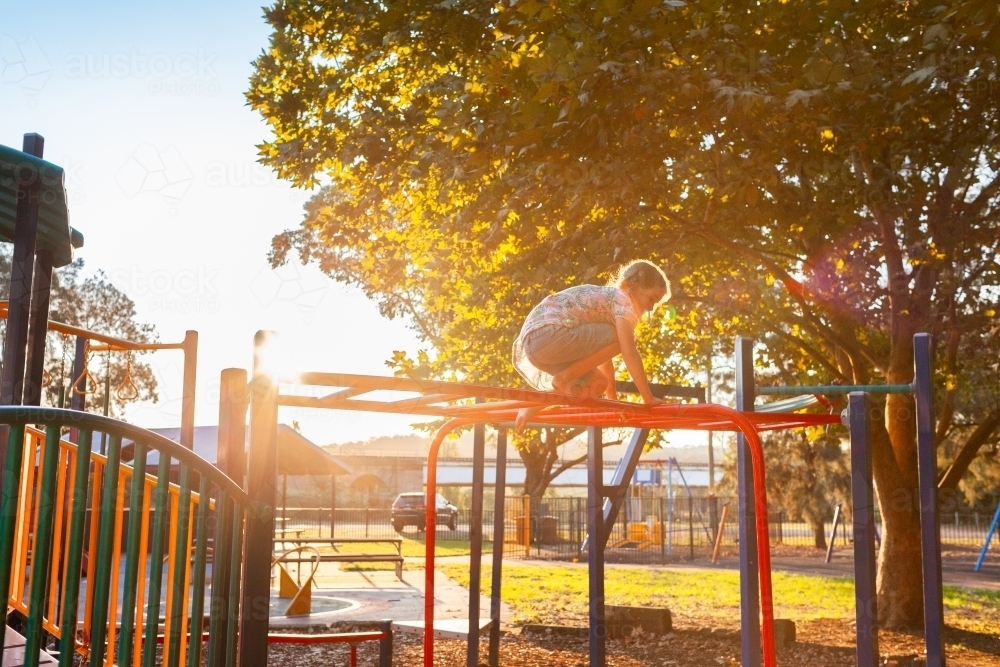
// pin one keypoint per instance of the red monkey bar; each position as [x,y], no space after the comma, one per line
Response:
[452,400]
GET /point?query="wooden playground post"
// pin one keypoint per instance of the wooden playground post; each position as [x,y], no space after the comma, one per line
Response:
[261,482]
[38,319]
[233,404]
[190,347]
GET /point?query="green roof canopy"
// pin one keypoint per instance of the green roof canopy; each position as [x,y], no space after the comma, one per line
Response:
[54,232]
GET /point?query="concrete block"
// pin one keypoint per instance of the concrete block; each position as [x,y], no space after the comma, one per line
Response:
[784,632]
[621,621]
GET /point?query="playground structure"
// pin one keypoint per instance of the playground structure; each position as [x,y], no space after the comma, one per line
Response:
[67,480]
[300,596]
[499,406]
[45,478]
[82,380]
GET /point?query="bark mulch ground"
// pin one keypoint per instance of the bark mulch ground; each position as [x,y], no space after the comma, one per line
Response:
[820,643]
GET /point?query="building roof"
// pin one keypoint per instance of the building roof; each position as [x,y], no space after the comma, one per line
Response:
[297,455]
[54,232]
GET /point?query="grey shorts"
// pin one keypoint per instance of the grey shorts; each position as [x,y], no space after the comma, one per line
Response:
[555,348]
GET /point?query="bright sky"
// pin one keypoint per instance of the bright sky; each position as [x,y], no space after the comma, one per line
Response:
[142,104]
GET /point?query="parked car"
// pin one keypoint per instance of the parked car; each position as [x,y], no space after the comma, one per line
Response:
[410,509]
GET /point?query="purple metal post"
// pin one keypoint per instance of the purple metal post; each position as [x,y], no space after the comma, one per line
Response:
[475,540]
[499,488]
[595,549]
[930,535]
[749,579]
[863,503]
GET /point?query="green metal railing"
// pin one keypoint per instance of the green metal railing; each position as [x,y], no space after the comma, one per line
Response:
[62,526]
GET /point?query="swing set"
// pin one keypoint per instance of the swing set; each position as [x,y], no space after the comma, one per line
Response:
[84,383]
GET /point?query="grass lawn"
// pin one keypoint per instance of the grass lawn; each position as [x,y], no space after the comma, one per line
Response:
[558,594]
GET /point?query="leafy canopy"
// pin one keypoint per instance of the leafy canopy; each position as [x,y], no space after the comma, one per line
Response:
[820,175]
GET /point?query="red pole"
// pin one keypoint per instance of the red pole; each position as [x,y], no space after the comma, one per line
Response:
[763,535]
[431,527]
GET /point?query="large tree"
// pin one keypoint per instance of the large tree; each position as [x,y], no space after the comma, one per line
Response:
[823,175]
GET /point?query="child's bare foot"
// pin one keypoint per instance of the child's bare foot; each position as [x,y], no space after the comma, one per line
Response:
[524,415]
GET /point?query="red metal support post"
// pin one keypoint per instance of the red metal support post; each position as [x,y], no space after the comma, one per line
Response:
[431,528]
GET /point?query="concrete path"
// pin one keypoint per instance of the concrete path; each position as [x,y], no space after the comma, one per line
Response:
[380,595]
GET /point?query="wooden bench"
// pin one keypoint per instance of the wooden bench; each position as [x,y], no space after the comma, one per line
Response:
[394,558]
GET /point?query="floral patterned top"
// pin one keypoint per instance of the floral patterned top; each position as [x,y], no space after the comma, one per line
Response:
[583,304]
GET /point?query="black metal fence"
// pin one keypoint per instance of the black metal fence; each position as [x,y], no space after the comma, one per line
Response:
[648,530]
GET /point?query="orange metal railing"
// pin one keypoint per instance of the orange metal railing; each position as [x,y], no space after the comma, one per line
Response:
[178,565]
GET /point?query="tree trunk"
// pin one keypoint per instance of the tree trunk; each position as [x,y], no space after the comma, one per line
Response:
[900,574]
[819,534]
[534,487]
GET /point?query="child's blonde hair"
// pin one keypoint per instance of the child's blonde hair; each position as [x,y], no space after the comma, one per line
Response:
[641,274]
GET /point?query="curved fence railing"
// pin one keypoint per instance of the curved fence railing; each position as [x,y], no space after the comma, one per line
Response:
[100,556]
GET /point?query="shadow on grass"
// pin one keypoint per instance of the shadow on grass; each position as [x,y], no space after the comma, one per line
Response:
[978,641]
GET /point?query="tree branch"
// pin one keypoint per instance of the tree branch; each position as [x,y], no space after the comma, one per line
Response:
[953,475]
[794,287]
[577,461]
[812,352]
